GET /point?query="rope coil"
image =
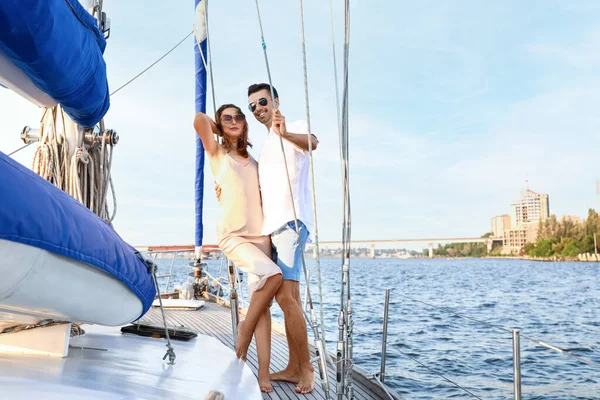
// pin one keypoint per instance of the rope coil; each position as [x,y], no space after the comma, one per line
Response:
[84,172]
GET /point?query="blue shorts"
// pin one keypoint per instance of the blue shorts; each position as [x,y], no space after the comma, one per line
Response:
[288,248]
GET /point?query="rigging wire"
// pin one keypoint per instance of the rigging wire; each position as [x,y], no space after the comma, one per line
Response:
[153,64]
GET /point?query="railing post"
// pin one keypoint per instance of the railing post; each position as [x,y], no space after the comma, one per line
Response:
[233,301]
[304,306]
[517,363]
[170,273]
[386,309]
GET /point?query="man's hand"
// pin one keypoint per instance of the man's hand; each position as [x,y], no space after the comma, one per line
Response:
[279,126]
[218,191]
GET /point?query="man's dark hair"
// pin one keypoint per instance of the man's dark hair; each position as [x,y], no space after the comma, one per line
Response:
[257,87]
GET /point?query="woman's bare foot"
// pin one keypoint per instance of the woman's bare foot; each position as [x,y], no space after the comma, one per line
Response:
[306,384]
[243,341]
[265,383]
[287,375]
[212,395]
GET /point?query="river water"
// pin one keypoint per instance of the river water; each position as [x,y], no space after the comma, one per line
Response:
[556,303]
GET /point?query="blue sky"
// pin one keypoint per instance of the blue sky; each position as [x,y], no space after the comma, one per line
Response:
[453,107]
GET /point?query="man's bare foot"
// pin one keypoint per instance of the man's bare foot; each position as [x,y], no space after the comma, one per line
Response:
[307,381]
[287,375]
[243,341]
[265,383]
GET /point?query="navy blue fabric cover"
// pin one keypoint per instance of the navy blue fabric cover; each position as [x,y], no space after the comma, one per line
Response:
[200,107]
[35,212]
[59,46]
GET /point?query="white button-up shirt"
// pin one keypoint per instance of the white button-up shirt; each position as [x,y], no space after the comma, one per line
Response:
[276,200]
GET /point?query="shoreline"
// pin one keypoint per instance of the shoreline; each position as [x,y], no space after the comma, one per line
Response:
[581,259]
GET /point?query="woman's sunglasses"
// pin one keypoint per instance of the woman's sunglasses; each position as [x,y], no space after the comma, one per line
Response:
[239,118]
[262,101]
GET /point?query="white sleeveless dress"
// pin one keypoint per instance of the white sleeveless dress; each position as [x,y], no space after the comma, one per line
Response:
[239,224]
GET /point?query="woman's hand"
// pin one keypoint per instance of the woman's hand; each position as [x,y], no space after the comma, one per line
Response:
[218,191]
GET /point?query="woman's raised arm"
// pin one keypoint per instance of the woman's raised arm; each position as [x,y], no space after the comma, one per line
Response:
[206,128]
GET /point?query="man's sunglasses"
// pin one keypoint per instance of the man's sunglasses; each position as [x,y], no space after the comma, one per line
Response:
[262,101]
[239,118]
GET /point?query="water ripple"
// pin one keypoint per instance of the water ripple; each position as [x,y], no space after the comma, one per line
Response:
[557,303]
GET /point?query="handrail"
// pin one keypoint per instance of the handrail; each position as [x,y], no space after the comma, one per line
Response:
[376,376]
[435,372]
[170,274]
[211,277]
[507,330]
[169,251]
[513,332]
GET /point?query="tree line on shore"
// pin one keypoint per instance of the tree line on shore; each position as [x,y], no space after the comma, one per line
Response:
[562,238]
[464,249]
[565,238]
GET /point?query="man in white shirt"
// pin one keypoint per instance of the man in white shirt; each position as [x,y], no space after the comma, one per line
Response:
[278,211]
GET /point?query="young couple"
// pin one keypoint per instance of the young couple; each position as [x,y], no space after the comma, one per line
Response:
[256,228]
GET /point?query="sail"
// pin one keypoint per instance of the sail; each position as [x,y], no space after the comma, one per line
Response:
[200,107]
[52,50]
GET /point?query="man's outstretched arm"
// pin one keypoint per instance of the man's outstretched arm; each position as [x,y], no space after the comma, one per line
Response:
[299,140]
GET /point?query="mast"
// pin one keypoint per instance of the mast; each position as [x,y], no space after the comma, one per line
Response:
[200,78]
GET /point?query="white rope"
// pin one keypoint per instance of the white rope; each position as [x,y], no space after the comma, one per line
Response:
[84,173]
[347,326]
[312,175]
[335,70]
[319,342]
[321,345]
[337,89]
[287,172]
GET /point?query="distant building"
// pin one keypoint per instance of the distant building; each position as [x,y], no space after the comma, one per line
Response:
[527,213]
[500,223]
[513,240]
[531,208]
[572,218]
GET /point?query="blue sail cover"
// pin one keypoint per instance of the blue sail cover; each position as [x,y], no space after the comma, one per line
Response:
[36,213]
[200,107]
[59,46]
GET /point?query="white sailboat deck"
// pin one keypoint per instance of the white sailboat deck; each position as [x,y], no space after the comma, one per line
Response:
[106,364]
[215,320]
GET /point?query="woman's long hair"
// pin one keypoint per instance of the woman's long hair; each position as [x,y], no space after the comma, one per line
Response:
[242,143]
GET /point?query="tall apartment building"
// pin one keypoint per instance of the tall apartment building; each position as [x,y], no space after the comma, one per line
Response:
[526,214]
[513,241]
[531,208]
[500,223]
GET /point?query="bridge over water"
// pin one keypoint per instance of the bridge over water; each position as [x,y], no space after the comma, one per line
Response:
[372,243]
